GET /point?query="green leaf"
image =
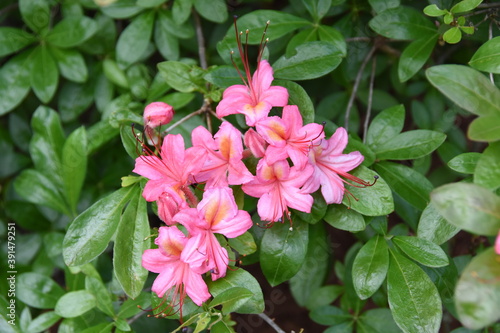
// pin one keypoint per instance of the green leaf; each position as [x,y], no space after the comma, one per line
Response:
[181,10]
[413,298]
[386,125]
[231,299]
[71,64]
[13,40]
[324,296]
[468,30]
[243,279]
[466,87]
[317,8]
[43,322]
[166,42]
[102,295]
[465,6]
[464,163]
[75,303]
[35,13]
[114,73]
[89,234]
[374,200]
[409,145]
[299,97]
[74,165]
[381,5]
[130,243]
[37,290]
[377,321]
[343,218]
[469,207]
[129,141]
[487,57]
[434,11]
[283,251]
[415,56]
[485,128]
[333,36]
[134,40]
[215,11]
[223,76]
[370,267]
[477,294]
[329,315]
[421,250]
[318,210]
[71,31]
[74,99]
[487,171]
[44,74]
[179,76]
[402,23]
[14,81]
[243,244]
[312,60]
[433,227]
[453,35]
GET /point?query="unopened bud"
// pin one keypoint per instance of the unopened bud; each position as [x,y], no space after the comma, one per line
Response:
[157,114]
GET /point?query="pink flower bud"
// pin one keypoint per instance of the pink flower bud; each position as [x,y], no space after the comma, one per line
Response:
[157,114]
[497,244]
[255,143]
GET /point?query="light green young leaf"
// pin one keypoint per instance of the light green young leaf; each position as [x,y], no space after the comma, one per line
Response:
[434,11]
[75,304]
[43,322]
[465,6]
[487,171]
[453,35]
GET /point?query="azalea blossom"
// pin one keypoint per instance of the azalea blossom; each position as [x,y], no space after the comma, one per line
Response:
[255,142]
[278,188]
[223,165]
[216,213]
[176,278]
[330,164]
[157,114]
[254,99]
[497,244]
[287,137]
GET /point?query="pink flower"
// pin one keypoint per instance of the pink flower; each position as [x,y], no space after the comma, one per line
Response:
[254,99]
[216,213]
[255,142]
[288,138]
[223,165]
[278,187]
[329,164]
[497,244]
[175,275]
[157,114]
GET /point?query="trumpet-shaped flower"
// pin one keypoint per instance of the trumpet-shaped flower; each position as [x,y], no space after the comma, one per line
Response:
[176,278]
[254,99]
[330,165]
[223,165]
[287,137]
[278,187]
[216,213]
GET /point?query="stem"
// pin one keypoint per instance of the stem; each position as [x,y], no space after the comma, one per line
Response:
[356,86]
[358,39]
[490,36]
[271,323]
[201,41]
[177,123]
[370,97]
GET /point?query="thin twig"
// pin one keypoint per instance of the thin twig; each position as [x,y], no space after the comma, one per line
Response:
[489,5]
[271,323]
[370,97]
[201,41]
[356,85]
[358,39]
[204,108]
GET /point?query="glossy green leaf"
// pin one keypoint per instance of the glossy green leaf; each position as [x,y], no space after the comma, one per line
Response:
[14,81]
[134,40]
[452,35]
[415,56]
[317,9]
[139,77]
[381,5]
[434,11]
[477,293]
[386,125]
[243,279]
[409,145]
[466,87]
[178,75]
[122,9]
[129,141]
[333,36]
[421,250]
[74,165]
[101,293]
[312,60]
[231,299]
[114,73]
[37,290]
[299,97]
[215,11]
[324,296]
[283,251]
[343,218]
[406,182]
[374,200]
[433,227]
[487,57]
[13,40]
[223,76]
[485,128]
[413,298]
[44,74]
[168,23]
[487,171]
[465,6]
[402,23]
[89,234]
[74,99]
[71,31]
[71,64]
[464,163]
[329,315]
[75,303]
[469,207]
[43,322]
[370,267]
[35,13]
[181,10]
[243,244]
[318,210]
[377,321]
[130,243]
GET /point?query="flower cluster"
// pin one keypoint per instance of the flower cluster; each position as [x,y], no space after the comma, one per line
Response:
[294,160]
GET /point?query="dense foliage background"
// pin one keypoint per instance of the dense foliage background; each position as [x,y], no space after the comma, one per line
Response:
[414,82]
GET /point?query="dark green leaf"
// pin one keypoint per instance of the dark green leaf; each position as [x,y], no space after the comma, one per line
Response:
[312,60]
[74,99]
[89,234]
[477,294]
[370,267]
[466,87]
[377,321]
[299,97]
[469,207]
[487,57]
[487,171]
[381,5]
[343,218]
[304,36]
[243,244]
[134,40]
[38,291]
[223,76]
[283,251]
[215,11]
[71,64]
[409,145]
[324,296]
[74,166]
[402,23]
[75,303]
[114,73]
[179,76]
[44,74]
[231,299]
[421,250]
[415,56]
[386,125]
[43,322]
[14,81]
[317,8]
[464,163]
[13,40]
[167,23]
[465,6]
[485,128]
[35,13]
[167,43]
[129,141]
[181,10]
[433,227]
[102,295]
[71,31]
[122,9]
[329,315]
[140,79]
[318,209]
[104,39]
[333,36]
[413,298]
